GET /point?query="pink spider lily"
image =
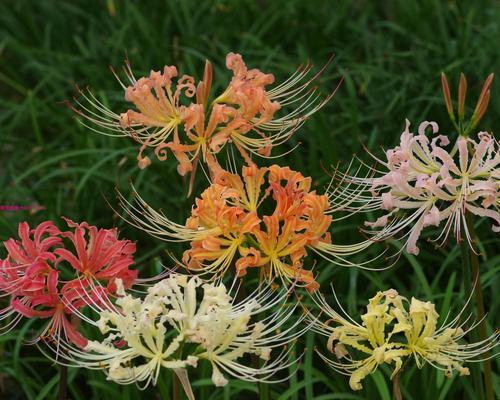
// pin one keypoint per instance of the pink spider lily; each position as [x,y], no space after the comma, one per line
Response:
[267,218]
[429,182]
[33,275]
[181,118]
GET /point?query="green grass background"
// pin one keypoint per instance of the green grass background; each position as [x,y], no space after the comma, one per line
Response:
[390,54]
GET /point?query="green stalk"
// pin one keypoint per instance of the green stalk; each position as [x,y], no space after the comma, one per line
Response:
[483,334]
[396,386]
[63,383]
[263,387]
[475,368]
[176,387]
[176,382]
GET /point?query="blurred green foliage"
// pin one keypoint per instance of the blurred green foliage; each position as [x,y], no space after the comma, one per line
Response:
[390,54]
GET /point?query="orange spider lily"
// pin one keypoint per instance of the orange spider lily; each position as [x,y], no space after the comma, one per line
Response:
[267,218]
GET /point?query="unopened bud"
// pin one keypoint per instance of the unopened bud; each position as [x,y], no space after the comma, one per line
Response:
[447,96]
[462,91]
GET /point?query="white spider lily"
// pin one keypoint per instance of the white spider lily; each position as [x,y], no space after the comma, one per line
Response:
[422,184]
[390,333]
[170,329]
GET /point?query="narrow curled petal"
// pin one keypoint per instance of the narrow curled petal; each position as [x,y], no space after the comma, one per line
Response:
[394,331]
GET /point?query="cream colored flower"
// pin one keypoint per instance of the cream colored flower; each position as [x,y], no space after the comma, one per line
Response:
[172,328]
[438,346]
[377,340]
[371,338]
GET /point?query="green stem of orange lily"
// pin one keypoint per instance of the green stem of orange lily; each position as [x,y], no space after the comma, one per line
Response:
[263,387]
[480,312]
[252,242]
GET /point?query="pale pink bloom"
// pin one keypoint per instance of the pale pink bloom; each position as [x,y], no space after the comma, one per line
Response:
[429,182]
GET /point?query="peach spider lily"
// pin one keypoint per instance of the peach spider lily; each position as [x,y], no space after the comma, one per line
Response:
[159,110]
[255,106]
[198,130]
[267,218]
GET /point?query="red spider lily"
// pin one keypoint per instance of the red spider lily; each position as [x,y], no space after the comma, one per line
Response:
[31,275]
[101,258]
[30,257]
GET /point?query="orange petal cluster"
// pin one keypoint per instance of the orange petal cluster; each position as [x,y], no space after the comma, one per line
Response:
[179,117]
[267,218]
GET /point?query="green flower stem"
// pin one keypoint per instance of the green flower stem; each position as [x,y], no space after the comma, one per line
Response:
[263,391]
[483,334]
[263,387]
[63,383]
[475,368]
[176,387]
[396,386]
[252,242]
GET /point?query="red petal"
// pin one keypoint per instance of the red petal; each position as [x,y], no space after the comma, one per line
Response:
[72,335]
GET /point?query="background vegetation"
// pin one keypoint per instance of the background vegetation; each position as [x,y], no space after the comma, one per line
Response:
[390,54]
